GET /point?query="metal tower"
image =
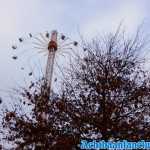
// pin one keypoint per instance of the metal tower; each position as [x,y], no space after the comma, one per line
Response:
[52,48]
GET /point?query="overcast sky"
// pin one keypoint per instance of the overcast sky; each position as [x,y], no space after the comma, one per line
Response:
[89,17]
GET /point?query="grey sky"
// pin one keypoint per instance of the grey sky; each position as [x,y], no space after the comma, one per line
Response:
[19,17]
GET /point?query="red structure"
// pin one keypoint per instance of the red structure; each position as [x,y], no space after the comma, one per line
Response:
[53,42]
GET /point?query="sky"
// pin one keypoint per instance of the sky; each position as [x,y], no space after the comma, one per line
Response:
[87,17]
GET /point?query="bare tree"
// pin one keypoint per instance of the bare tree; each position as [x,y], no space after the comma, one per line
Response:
[108,94]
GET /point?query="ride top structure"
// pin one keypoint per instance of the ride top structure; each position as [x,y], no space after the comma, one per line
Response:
[54,45]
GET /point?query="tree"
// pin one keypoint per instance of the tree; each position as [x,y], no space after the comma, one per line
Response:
[104,96]
[109,91]
[34,131]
